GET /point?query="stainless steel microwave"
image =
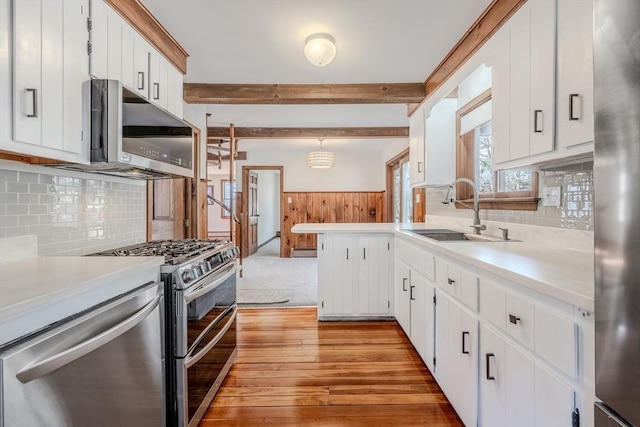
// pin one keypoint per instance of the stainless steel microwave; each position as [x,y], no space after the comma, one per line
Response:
[133,138]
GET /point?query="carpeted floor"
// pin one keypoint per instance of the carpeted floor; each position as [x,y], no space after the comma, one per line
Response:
[271,281]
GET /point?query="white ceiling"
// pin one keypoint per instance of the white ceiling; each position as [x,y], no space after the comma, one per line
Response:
[261,41]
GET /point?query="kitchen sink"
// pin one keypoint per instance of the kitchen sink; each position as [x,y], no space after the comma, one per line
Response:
[452,235]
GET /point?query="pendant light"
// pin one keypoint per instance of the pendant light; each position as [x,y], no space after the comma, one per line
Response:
[320,159]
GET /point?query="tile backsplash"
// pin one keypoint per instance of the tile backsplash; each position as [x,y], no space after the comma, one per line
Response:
[73,214]
[575,210]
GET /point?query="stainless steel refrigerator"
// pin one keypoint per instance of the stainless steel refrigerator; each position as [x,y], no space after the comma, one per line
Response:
[617,215]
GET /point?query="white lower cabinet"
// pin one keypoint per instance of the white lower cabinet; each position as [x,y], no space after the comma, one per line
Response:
[516,390]
[402,302]
[456,367]
[354,275]
[422,316]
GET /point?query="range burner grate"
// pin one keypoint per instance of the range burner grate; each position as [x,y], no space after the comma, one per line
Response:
[174,251]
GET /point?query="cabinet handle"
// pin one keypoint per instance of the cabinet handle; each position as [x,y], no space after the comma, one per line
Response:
[404,284]
[451,281]
[513,319]
[34,99]
[347,253]
[364,253]
[411,293]
[419,164]
[464,350]
[140,80]
[487,359]
[572,97]
[156,91]
[536,113]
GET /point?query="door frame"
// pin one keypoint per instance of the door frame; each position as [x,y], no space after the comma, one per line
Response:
[418,195]
[244,219]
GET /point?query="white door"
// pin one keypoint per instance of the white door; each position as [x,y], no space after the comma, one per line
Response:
[418,313]
[492,379]
[466,368]
[519,407]
[335,282]
[554,400]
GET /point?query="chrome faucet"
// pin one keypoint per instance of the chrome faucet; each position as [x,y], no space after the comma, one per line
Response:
[450,198]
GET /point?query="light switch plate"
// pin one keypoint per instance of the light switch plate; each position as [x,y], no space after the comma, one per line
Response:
[551,196]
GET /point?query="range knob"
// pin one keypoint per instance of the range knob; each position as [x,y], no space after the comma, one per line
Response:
[188,276]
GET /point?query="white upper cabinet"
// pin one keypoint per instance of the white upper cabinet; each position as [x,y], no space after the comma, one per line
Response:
[416,147]
[523,91]
[50,79]
[118,52]
[440,141]
[575,76]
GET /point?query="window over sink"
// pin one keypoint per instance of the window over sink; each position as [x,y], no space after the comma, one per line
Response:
[506,189]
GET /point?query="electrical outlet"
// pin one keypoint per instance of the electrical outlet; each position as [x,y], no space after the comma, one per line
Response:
[551,196]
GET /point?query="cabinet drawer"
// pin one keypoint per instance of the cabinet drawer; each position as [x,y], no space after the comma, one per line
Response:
[493,303]
[426,264]
[519,320]
[555,340]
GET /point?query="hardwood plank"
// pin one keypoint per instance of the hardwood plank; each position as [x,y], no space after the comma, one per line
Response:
[136,14]
[356,93]
[295,371]
[309,132]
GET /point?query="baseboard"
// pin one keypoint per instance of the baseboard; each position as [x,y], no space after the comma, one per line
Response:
[303,253]
[268,241]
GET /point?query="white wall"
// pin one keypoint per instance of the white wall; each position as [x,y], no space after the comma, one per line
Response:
[268,204]
[353,171]
[214,212]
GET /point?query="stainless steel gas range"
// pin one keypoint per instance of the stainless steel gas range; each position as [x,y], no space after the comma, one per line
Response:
[200,294]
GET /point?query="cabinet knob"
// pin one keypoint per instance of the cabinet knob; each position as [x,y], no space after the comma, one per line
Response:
[514,319]
[451,281]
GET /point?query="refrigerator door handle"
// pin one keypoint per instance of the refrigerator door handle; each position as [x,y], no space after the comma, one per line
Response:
[65,357]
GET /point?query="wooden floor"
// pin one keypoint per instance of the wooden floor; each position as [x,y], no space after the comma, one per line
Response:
[294,371]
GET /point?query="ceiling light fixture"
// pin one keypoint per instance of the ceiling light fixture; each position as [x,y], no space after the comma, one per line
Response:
[320,49]
[320,159]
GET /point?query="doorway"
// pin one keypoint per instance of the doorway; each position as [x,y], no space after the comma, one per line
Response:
[261,207]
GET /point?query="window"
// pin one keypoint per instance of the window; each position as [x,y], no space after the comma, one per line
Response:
[228,196]
[510,189]
[403,202]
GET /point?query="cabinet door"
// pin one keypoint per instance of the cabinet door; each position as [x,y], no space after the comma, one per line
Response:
[418,313]
[99,59]
[519,388]
[373,275]
[542,87]
[178,82]
[114,67]
[5,73]
[336,275]
[27,81]
[141,50]
[443,327]
[416,146]
[575,72]
[154,77]
[77,95]
[466,366]
[493,379]
[554,400]
[440,142]
[500,95]
[53,74]
[402,305]
[519,82]
[127,59]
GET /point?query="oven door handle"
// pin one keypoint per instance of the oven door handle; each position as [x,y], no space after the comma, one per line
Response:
[201,290]
[191,360]
[65,357]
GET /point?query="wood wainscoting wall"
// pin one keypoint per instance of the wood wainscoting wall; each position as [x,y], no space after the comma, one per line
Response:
[306,207]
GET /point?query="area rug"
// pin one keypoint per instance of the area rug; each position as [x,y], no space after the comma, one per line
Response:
[264,296]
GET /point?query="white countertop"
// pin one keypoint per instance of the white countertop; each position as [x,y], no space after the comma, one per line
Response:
[38,291]
[560,272]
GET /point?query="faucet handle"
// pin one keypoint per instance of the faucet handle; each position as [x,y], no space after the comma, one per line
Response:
[505,233]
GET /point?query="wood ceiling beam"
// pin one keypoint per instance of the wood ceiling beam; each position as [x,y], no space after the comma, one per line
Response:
[136,14]
[214,133]
[358,93]
[491,19]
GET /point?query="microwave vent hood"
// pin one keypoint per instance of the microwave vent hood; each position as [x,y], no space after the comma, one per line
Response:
[133,138]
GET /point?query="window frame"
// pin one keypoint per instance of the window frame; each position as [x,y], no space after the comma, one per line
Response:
[223,184]
[466,165]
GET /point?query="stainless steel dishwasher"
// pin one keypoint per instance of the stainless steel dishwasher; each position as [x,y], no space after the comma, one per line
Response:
[102,367]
